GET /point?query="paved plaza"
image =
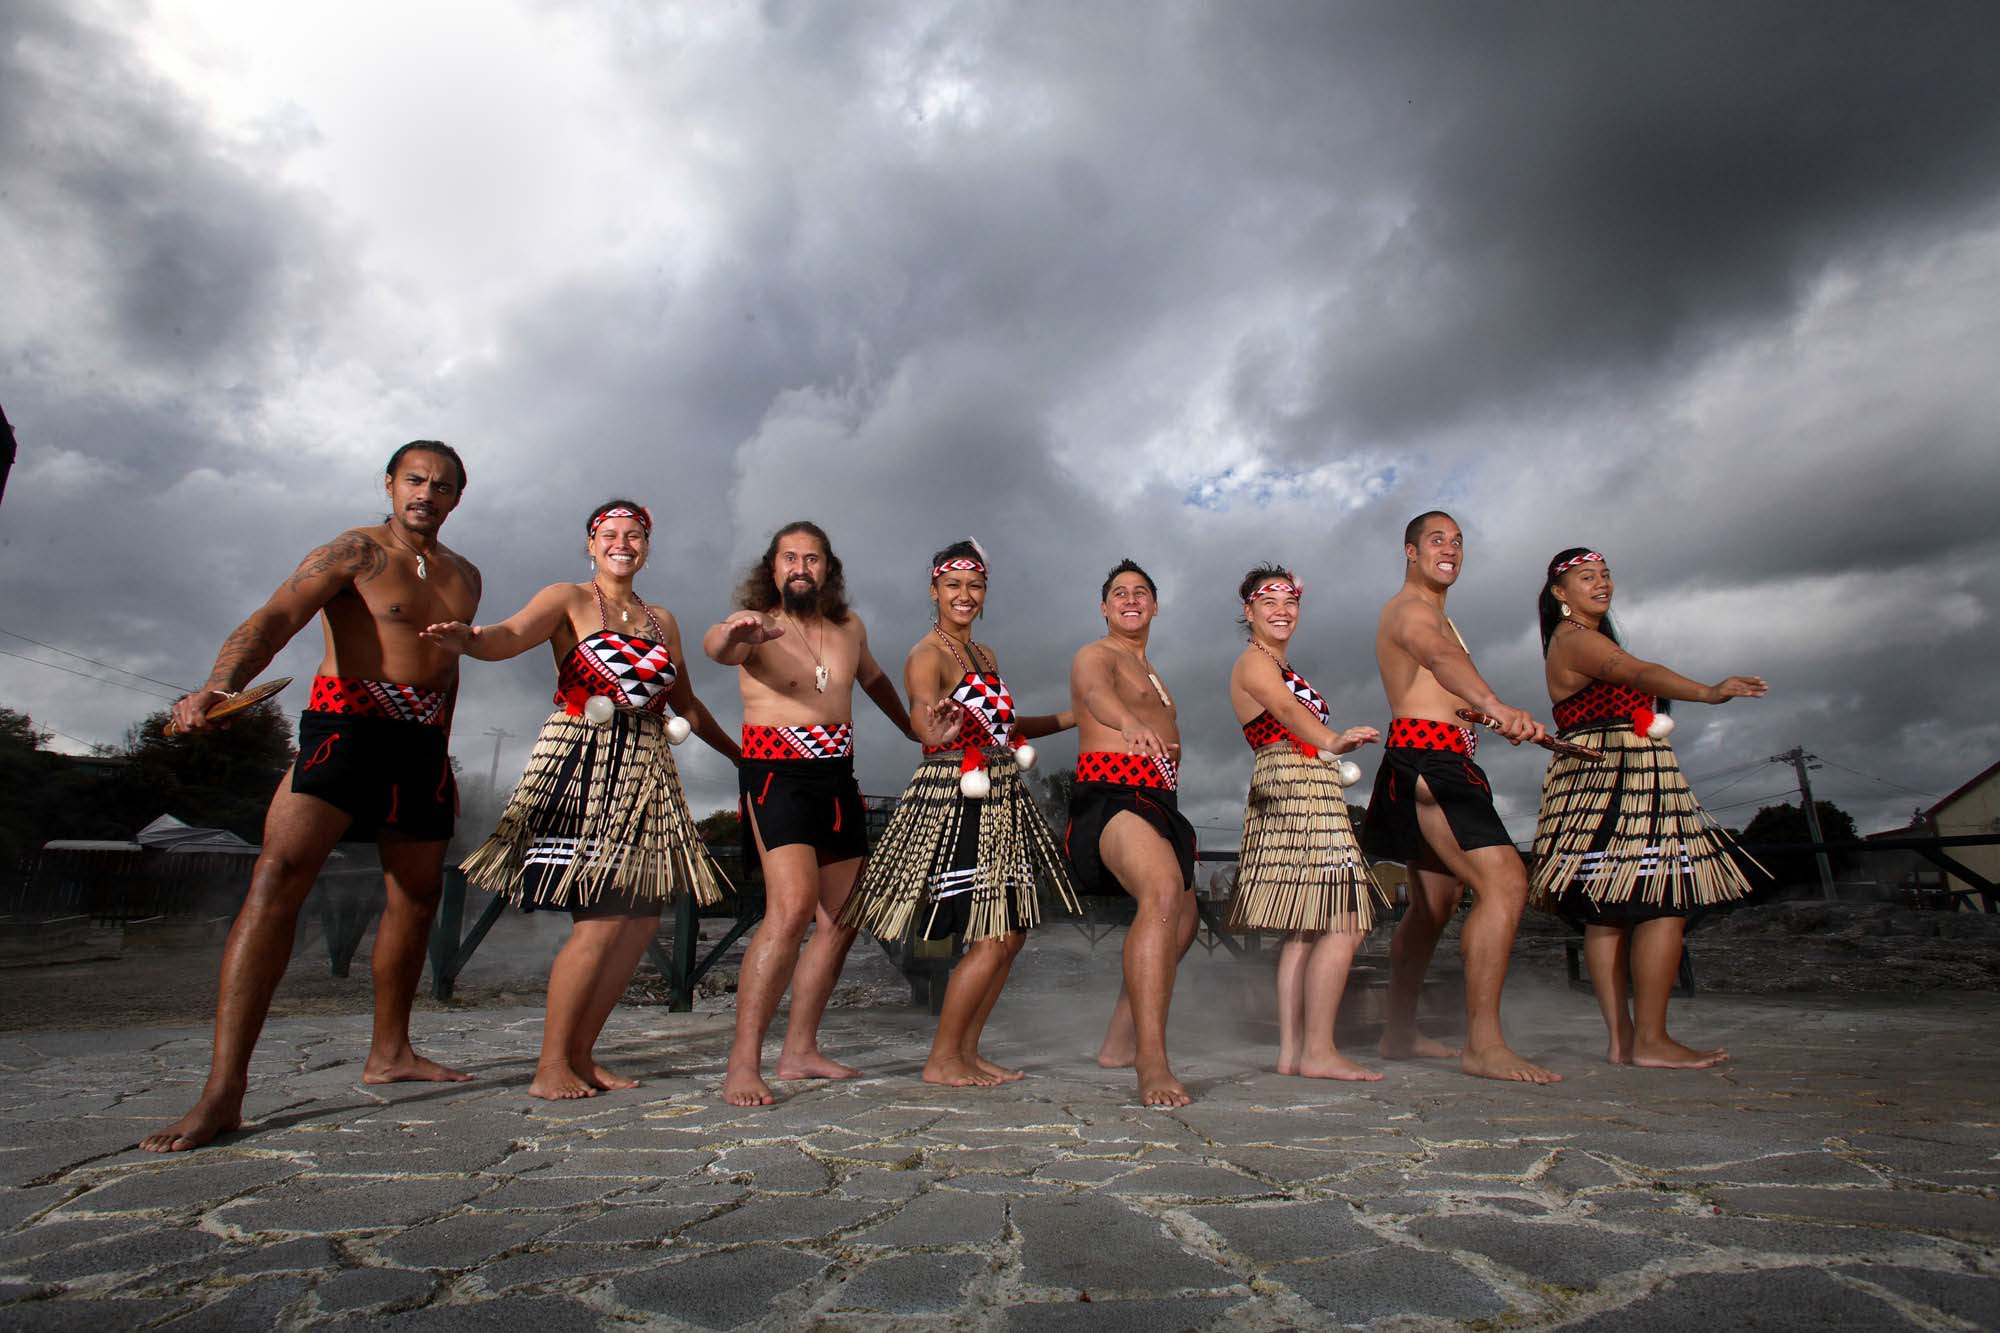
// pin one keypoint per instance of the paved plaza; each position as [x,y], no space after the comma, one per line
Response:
[1840,1172]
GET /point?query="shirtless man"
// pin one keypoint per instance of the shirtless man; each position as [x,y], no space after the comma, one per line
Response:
[1432,810]
[372,764]
[801,652]
[1126,831]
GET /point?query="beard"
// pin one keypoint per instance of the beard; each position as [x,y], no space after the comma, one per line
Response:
[800,596]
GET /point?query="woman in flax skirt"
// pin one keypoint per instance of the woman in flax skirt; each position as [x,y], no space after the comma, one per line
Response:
[597,826]
[1622,848]
[966,849]
[1301,870]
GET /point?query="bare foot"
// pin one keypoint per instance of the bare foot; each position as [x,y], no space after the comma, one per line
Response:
[609,1081]
[745,1087]
[1118,1052]
[1288,1061]
[559,1083]
[1618,1050]
[954,1072]
[1159,1087]
[1413,1045]
[1000,1072]
[1337,1066]
[1670,1054]
[208,1118]
[813,1065]
[409,1067]
[1500,1062]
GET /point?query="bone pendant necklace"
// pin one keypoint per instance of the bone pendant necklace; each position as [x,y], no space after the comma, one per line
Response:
[820,674]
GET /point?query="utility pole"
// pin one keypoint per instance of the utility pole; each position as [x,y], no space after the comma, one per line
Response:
[6,450]
[493,773]
[1797,757]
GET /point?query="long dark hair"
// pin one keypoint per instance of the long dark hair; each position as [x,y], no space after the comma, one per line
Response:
[1551,610]
[759,590]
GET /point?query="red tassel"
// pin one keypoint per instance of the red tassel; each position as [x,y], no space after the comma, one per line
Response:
[972,757]
[573,698]
[1642,721]
[1309,751]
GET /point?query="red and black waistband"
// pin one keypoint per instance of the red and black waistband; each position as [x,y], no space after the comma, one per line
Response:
[776,744]
[352,696]
[1127,770]
[1423,733]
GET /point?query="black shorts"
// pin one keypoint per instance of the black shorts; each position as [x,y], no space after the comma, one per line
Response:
[1092,806]
[813,801]
[1390,833]
[391,776]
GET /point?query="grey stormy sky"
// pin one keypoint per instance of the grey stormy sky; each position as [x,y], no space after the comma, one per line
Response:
[1710,286]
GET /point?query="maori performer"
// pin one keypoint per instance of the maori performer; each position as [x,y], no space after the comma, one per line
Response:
[597,826]
[1432,810]
[800,652]
[966,850]
[1301,870]
[372,764]
[1622,848]
[1126,832]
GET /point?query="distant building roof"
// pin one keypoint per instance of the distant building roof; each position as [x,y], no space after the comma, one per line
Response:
[1962,792]
[167,834]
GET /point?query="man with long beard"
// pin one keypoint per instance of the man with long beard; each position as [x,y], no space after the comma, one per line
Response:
[800,652]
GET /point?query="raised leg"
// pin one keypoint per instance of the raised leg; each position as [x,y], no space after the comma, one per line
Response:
[298,833]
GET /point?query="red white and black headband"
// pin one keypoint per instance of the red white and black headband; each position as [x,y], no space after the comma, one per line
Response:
[1276,588]
[962,563]
[643,514]
[1572,563]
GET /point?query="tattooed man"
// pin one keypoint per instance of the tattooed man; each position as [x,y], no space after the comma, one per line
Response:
[372,764]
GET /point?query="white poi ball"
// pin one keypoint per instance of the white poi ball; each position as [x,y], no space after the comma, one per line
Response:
[678,730]
[1662,727]
[598,708]
[1350,772]
[974,785]
[1024,757]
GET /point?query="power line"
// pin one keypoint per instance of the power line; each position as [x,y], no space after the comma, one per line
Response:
[1872,778]
[1754,763]
[53,666]
[94,662]
[1752,801]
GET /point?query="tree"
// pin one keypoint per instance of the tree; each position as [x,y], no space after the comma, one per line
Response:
[1787,823]
[720,828]
[223,778]
[1052,792]
[24,777]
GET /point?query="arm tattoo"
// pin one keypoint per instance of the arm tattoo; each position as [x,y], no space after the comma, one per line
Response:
[244,653]
[350,553]
[1612,663]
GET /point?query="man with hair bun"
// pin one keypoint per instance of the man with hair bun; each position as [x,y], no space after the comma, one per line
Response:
[373,764]
[1126,832]
[799,652]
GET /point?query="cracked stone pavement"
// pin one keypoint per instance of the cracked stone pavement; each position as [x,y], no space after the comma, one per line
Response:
[1839,1172]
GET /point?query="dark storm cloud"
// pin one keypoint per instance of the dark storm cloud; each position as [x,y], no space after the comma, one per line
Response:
[1198,284]
[1591,192]
[190,261]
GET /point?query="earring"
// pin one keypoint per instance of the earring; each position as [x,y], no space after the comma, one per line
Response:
[1565,608]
